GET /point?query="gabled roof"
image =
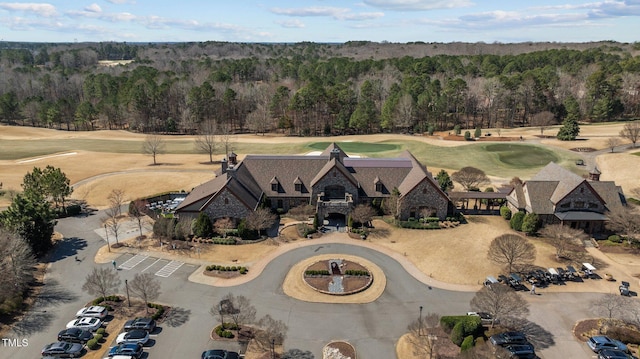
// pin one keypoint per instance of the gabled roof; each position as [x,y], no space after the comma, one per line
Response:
[611,194]
[566,180]
[417,175]
[333,146]
[333,163]
[203,191]
[537,196]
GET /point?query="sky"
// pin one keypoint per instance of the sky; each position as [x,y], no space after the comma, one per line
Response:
[338,21]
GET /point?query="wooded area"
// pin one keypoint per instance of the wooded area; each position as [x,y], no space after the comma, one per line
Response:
[313,89]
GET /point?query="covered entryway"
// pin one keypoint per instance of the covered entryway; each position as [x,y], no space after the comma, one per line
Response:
[335,222]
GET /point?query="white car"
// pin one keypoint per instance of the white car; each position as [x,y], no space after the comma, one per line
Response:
[137,336]
[90,324]
[94,311]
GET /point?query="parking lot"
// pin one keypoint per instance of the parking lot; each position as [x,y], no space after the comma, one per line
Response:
[163,268]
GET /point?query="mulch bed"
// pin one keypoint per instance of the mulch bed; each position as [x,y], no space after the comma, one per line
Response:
[583,149]
[222,274]
[350,283]
[481,139]
[345,349]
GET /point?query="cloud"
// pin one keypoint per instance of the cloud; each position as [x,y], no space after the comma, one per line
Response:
[512,19]
[93,8]
[42,9]
[291,24]
[96,13]
[417,5]
[122,1]
[326,11]
[616,9]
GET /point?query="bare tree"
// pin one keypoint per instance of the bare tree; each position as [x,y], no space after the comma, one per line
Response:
[146,287]
[363,213]
[224,225]
[137,212]
[542,120]
[500,302]
[226,138]
[272,330]
[222,308]
[609,306]
[511,249]
[16,264]
[260,219]
[624,221]
[116,200]
[206,140]
[239,308]
[470,177]
[613,142]
[562,237]
[390,204]
[153,145]
[631,131]
[102,282]
[421,338]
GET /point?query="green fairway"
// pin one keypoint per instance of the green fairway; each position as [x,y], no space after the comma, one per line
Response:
[521,156]
[358,147]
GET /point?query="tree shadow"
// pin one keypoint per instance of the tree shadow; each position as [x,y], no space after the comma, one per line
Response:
[53,294]
[177,316]
[65,248]
[35,321]
[380,233]
[537,335]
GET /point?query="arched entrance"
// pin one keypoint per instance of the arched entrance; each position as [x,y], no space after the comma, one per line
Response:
[335,221]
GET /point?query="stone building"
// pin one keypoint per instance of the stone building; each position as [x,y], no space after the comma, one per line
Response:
[332,182]
[557,195]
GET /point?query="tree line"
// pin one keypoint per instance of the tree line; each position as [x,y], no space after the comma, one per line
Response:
[313,89]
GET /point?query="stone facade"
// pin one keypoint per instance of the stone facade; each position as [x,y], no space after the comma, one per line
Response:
[225,204]
[424,195]
[582,198]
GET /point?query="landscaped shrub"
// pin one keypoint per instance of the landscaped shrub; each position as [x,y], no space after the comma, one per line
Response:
[97,337]
[457,130]
[430,130]
[505,212]
[159,312]
[221,330]
[469,324]
[74,210]
[245,233]
[316,272]
[530,224]
[457,334]
[615,238]
[357,273]
[516,221]
[92,344]
[467,135]
[418,225]
[202,227]
[100,331]
[467,343]
[477,133]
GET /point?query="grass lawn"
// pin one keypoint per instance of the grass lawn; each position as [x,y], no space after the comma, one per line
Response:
[521,156]
[368,148]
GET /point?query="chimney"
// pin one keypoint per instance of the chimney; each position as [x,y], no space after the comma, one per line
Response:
[594,174]
[224,164]
[337,154]
[233,158]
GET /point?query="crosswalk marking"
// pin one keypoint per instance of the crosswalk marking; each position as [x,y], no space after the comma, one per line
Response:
[168,269]
[133,261]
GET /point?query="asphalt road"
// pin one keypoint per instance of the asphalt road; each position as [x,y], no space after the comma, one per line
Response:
[372,328]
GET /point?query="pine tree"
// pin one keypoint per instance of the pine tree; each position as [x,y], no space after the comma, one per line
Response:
[570,128]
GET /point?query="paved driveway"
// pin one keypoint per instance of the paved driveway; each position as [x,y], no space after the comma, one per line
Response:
[372,328]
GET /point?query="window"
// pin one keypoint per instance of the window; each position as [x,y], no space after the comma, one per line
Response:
[274,187]
[593,205]
[578,204]
[565,205]
[424,191]
[299,187]
[226,201]
[378,187]
[581,190]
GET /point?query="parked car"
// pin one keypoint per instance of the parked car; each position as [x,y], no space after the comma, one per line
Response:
[219,354]
[485,318]
[613,354]
[63,349]
[134,336]
[624,288]
[94,311]
[599,342]
[521,351]
[75,335]
[90,324]
[127,349]
[147,324]
[508,338]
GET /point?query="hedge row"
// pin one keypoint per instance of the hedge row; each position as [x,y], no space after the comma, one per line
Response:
[316,272]
[217,240]
[222,268]
[159,312]
[357,273]
[223,330]
[418,225]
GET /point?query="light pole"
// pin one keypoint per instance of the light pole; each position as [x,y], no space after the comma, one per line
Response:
[273,349]
[419,322]
[107,234]
[126,284]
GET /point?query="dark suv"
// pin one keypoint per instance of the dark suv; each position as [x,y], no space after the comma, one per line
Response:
[147,324]
[508,338]
[521,351]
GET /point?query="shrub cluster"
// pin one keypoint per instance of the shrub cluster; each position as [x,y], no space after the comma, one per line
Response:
[110,298]
[100,331]
[304,229]
[222,268]
[98,337]
[316,272]
[92,344]
[417,225]
[615,238]
[430,220]
[505,212]
[357,273]
[221,330]
[159,312]
[461,327]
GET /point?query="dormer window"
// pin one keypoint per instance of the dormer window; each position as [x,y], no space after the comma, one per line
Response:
[274,184]
[298,184]
[378,184]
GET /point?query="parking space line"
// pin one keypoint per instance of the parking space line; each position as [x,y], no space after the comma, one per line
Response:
[133,261]
[151,265]
[168,269]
